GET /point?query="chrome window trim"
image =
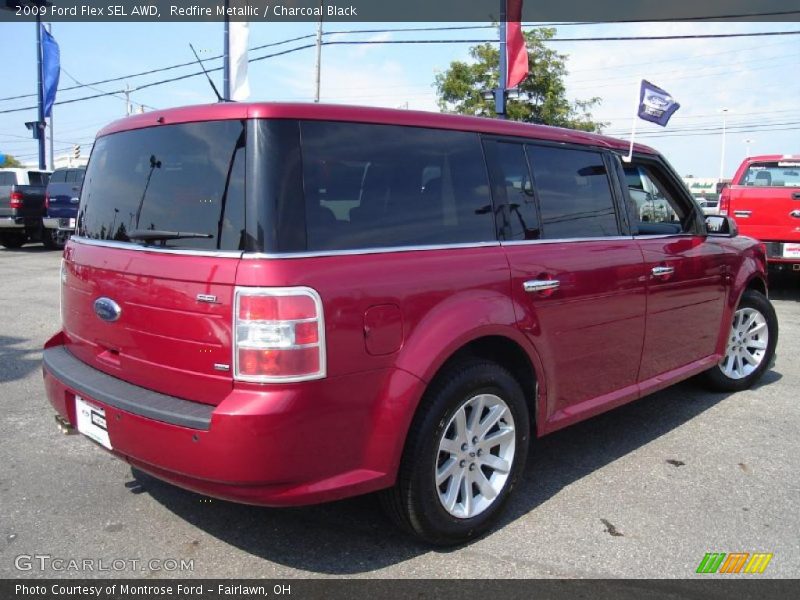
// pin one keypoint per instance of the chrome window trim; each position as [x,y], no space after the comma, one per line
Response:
[610,238]
[139,248]
[359,251]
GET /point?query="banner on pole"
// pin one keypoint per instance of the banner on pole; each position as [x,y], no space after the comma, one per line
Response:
[51,69]
[515,45]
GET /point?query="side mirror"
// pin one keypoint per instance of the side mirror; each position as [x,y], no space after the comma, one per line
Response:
[721,226]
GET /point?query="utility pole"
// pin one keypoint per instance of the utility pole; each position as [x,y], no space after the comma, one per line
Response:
[318,67]
[226,57]
[50,125]
[500,92]
[40,125]
[127,100]
[722,153]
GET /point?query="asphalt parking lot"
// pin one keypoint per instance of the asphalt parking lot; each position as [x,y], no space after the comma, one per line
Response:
[643,491]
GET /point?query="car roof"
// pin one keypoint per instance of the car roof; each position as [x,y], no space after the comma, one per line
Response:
[363,114]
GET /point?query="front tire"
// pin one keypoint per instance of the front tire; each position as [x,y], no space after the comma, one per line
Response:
[750,350]
[465,450]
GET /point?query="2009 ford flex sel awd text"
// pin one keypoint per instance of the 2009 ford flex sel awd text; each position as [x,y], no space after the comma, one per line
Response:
[284,304]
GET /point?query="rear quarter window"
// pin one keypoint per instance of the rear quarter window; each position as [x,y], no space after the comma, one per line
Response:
[369,186]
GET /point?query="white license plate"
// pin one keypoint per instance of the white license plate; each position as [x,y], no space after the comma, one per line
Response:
[791,251]
[92,422]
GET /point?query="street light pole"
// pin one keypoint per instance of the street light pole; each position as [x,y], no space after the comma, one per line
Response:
[500,92]
[318,66]
[722,154]
[226,57]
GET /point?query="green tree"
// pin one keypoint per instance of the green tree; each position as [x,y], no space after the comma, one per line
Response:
[10,163]
[542,96]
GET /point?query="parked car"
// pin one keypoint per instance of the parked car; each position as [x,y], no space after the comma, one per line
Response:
[764,199]
[709,206]
[22,206]
[61,203]
[286,304]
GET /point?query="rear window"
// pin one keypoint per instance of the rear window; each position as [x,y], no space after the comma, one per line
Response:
[59,176]
[186,178]
[772,174]
[380,185]
[38,178]
[8,178]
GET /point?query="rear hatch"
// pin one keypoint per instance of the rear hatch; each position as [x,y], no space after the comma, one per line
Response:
[148,280]
[765,201]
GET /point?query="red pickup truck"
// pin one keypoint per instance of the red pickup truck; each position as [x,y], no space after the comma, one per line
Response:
[764,198]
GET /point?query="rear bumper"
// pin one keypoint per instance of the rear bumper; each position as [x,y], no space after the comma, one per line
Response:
[12,223]
[775,254]
[61,223]
[275,446]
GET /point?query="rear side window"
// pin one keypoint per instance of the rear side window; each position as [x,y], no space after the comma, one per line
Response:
[379,185]
[186,178]
[512,187]
[574,193]
[772,174]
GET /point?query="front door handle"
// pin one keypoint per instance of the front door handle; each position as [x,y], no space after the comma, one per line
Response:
[742,213]
[662,271]
[541,285]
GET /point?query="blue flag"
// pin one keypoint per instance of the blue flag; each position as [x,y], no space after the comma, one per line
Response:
[655,104]
[51,69]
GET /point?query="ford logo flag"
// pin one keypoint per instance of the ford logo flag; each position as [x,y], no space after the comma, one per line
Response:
[655,104]
[107,309]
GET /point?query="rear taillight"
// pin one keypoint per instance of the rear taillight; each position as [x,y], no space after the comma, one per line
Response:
[279,335]
[15,200]
[725,201]
[46,200]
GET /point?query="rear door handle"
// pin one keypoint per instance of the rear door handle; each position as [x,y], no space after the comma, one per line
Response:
[541,285]
[796,195]
[662,271]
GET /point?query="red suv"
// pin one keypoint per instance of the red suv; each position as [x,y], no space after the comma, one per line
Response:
[764,198]
[284,304]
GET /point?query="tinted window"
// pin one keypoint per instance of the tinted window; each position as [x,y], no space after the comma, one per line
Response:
[574,193]
[379,185]
[74,175]
[512,188]
[179,178]
[38,178]
[7,178]
[59,176]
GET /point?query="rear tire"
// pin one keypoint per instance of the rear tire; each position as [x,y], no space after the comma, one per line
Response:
[752,339]
[463,455]
[50,239]
[12,240]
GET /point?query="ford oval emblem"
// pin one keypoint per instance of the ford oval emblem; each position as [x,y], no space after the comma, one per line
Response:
[107,309]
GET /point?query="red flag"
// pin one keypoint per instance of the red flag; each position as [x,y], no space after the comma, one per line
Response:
[516,51]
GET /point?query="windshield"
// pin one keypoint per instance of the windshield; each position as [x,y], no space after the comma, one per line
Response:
[186,178]
[773,174]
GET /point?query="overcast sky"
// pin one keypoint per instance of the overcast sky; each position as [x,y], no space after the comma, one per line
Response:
[756,79]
